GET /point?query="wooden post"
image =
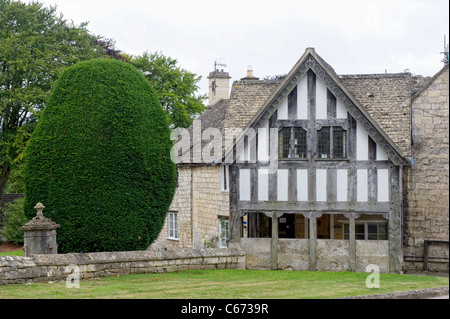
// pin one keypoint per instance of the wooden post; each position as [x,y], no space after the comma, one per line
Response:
[235,217]
[352,242]
[312,243]
[274,242]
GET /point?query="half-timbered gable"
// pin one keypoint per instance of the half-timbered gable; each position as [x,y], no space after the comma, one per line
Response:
[312,164]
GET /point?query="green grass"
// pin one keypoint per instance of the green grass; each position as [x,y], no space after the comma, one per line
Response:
[12,253]
[225,284]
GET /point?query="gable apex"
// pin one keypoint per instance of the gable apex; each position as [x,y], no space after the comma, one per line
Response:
[310,60]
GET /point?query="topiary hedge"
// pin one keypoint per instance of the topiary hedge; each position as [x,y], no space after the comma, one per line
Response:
[99,159]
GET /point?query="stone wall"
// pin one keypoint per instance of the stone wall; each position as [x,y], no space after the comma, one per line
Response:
[209,204]
[199,203]
[332,254]
[181,204]
[426,205]
[44,268]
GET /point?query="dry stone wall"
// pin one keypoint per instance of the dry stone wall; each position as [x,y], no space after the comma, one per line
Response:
[44,268]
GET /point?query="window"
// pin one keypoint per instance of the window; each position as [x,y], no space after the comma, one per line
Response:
[299,143]
[173,225]
[332,142]
[284,142]
[292,143]
[377,231]
[223,233]
[323,137]
[368,231]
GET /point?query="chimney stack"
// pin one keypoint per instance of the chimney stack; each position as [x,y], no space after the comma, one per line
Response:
[219,86]
[250,76]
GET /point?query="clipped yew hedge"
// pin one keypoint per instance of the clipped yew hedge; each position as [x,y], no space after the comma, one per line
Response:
[99,159]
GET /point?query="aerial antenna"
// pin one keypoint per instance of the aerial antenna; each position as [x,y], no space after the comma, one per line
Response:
[217,63]
[446,53]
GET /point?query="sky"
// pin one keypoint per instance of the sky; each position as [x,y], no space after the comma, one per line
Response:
[353,36]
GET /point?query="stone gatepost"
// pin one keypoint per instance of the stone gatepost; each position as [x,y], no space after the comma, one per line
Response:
[40,234]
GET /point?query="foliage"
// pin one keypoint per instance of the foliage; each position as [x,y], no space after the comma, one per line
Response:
[99,159]
[211,243]
[35,46]
[14,218]
[222,240]
[278,77]
[109,49]
[175,87]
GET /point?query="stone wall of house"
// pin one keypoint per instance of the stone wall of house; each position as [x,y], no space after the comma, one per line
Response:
[210,204]
[426,183]
[44,268]
[199,204]
[181,204]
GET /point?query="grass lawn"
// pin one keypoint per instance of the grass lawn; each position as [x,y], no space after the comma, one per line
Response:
[225,284]
[12,253]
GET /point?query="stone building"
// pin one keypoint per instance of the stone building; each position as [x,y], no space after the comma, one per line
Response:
[317,170]
[426,186]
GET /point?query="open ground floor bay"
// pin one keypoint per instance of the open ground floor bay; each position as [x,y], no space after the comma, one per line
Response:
[317,241]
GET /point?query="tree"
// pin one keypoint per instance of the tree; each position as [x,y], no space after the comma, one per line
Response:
[110,50]
[175,87]
[35,46]
[99,159]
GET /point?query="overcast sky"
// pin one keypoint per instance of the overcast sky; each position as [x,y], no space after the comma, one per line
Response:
[353,36]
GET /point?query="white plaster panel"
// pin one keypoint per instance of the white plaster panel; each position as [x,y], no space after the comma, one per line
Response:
[282,184]
[244,184]
[383,185]
[362,143]
[263,184]
[361,188]
[321,185]
[321,100]
[302,185]
[342,185]
[341,111]
[263,143]
[381,155]
[302,98]
[283,110]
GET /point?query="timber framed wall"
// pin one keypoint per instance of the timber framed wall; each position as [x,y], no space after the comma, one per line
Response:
[366,181]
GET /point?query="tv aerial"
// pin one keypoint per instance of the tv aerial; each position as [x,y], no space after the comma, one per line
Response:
[218,62]
[446,52]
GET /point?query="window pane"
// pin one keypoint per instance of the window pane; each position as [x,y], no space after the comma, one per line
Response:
[383,231]
[223,233]
[284,137]
[173,225]
[359,236]
[372,228]
[359,228]
[299,143]
[323,137]
[339,143]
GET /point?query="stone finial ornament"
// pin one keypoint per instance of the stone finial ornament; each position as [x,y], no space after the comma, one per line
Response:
[39,207]
[40,234]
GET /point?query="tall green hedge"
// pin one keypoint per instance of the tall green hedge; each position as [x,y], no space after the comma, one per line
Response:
[99,159]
